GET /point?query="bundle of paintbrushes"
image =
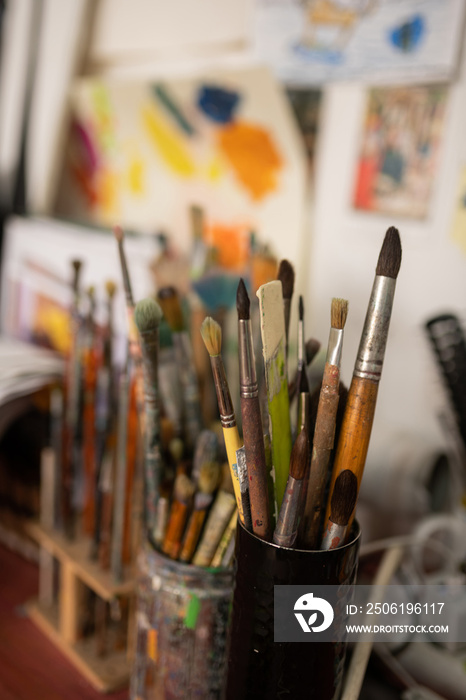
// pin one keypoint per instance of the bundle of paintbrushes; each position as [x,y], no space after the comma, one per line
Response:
[297,485]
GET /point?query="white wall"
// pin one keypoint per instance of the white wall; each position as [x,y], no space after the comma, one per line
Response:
[343,254]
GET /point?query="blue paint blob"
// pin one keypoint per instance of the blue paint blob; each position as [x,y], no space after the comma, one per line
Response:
[217,103]
[409,35]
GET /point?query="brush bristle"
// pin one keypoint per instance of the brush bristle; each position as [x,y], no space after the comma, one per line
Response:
[242,301]
[388,264]
[345,493]
[212,336]
[118,233]
[286,277]
[110,288]
[312,348]
[176,449]
[301,308]
[147,315]
[171,306]
[339,312]
[209,477]
[300,456]
[183,488]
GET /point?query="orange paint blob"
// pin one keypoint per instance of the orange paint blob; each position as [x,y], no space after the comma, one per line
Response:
[231,243]
[253,156]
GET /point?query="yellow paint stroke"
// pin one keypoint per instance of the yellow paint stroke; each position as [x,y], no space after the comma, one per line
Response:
[253,156]
[168,143]
[136,175]
[215,169]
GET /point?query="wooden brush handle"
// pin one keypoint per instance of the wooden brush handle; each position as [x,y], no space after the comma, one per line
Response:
[355,432]
[257,470]
[324,434]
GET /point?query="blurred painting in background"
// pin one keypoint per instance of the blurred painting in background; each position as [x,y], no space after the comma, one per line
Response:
[400,148]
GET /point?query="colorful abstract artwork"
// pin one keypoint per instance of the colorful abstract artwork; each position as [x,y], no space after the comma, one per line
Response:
[402,135]
[141,152]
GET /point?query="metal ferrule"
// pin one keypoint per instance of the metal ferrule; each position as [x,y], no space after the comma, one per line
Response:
[287,522]
[247,363]
[225,405]
[371,351]
[334,535]
[335,346]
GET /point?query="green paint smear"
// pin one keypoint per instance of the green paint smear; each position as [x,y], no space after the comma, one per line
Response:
[279,411]
[192,613]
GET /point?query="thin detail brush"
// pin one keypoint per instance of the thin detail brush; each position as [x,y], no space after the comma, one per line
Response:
[356,429]
[183,494]
[324,431]
[147,316]
[212,337]
[342,505]
[252,419]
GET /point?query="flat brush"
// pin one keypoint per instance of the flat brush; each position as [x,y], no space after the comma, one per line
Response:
[286,529]
[212,337]
[324,431]
[356,428]
[208,482]
[171,306]
[273,349]
[72,420]
[286,276]
[147,316]
[342,505]
[183,494]
[252,419]
[222,554]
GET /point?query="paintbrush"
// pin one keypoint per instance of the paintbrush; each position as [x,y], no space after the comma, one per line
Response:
[219,517]
[183,492]
[106,488]
[302,380]
[356,428]
[147,316]
[273,348]
[171,306]
[286,276]
[342,505]
[132,332]
[72,407]
[90,369]
[324,431]
[311,348]
[212,337]
[286,529]
[252,419]
[206,451]
[105,408]
[207,484]
[120,479]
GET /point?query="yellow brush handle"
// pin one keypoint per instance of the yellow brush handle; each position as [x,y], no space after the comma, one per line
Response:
[232,443]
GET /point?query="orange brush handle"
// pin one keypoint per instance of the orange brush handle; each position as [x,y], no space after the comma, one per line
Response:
[355,432]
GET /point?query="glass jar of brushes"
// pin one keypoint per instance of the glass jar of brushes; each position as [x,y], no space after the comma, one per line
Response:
[181,629]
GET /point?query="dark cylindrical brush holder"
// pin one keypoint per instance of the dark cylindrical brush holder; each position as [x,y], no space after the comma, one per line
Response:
[258,667]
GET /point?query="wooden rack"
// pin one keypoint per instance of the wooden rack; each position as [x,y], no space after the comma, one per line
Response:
[60,620]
